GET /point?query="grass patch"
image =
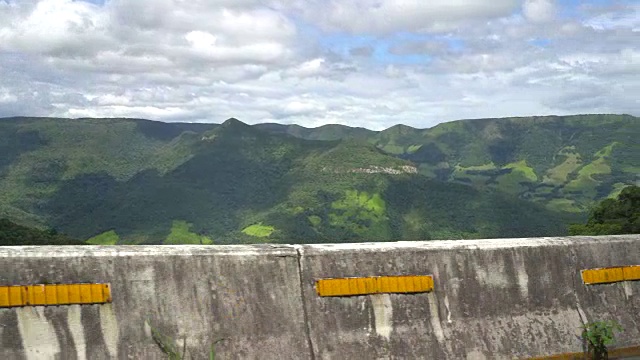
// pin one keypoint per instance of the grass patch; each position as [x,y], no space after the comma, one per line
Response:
[181,234]
[259,230]
[559,174]
[477,180]
[544,190]
[598,166]
[522,168]
[607,150]
[512,182]
[361,213]
[565,205]
[585,181]
[106,238]
[393,149]
[489,166]
[355,200]
[315,220]
[617,189]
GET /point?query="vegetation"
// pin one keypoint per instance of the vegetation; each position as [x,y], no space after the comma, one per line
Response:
[181,234]
[14,234]
[613,216]
[258,230]
[597,336]
[541,159]
[106,238]
[127,181]
[170,348]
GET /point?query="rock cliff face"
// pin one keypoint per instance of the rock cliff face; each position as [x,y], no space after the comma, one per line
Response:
[406,169]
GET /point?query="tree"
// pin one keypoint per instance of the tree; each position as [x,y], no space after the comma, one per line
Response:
[613,216]
[14,234]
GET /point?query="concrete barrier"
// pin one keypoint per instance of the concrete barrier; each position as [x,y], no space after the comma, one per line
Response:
[507,298]
[249,295]
[491,299]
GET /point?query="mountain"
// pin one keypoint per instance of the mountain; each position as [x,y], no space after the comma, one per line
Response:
[14,234]
[566,163]
[325,132]
[136,181]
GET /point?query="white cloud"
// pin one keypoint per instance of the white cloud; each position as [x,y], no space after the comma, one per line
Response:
[110,100]
[54,27]
[616,17]
[302,106]
[314,62]
[539,10]
[387,16]
[147,30]
[7,97]
[308,68]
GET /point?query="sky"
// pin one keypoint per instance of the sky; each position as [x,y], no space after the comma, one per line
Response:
[369,63]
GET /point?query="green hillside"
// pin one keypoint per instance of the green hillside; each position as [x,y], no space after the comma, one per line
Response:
[325,132]
[566,163]
[134,181]
[39,154]
[14,234]
[613,216]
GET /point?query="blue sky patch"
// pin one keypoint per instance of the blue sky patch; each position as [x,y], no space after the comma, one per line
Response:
[543,43]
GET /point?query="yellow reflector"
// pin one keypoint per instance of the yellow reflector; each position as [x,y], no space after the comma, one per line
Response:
[62,291]
[85,294]
[4,296]
[15,296]
[74,293]
[24,295]
[62,294]
[37,295]
[631,272]
[611,274]
[51,294]
[601,276]
[96,293]
[374,285]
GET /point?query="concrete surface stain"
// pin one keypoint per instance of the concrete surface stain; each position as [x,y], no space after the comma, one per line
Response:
[523,277]
[109,325]
[434,317]
[39,339]
[446,305]
[628,291]
[383,314]
[74,320]
[493,274]
[475,355]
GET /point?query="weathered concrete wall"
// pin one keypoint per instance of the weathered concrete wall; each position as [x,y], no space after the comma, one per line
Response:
[492,299]
[249,294]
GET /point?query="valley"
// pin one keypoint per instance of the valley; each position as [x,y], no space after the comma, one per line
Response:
[133,181]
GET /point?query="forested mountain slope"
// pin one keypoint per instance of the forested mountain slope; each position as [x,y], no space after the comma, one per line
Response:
[564,162]
[139,181]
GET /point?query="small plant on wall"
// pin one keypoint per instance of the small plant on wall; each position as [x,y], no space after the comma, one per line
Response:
[597,336]
[171,349]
